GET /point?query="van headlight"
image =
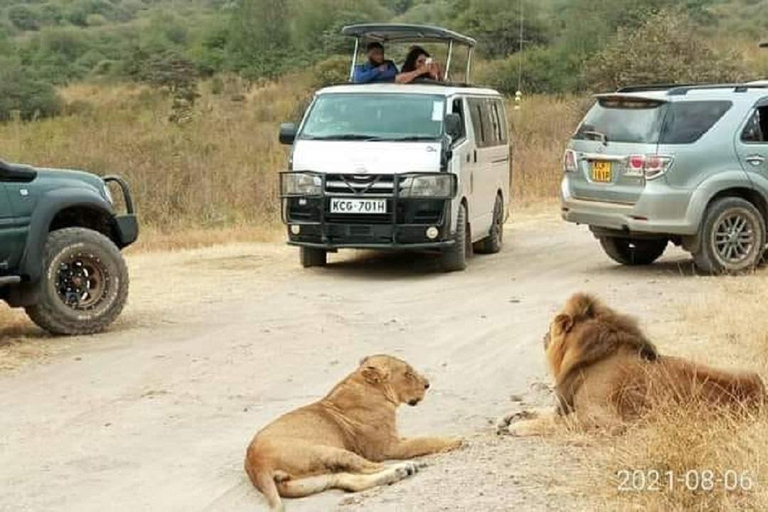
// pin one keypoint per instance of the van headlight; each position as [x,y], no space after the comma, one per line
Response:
[435,185]
[301,184]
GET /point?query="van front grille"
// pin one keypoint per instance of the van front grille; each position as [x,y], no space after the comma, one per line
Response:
[360,184]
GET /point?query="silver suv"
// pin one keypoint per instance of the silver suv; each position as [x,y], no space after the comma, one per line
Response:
[681,164]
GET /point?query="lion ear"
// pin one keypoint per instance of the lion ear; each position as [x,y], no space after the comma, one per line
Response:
[565,322]
[375,375]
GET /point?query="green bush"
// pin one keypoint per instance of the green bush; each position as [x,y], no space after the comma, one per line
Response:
[23,18]
[331,71]
[667,48]
[19,93]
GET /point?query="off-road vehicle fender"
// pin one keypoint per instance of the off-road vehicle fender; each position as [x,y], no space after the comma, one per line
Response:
[48,206]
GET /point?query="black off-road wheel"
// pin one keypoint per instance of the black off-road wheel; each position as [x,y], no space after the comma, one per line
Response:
[732,237]
[633,251]
[84,285]
[311,257]
[455,257]
[495,239]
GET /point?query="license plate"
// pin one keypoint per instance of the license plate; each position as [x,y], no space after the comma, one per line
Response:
[602,172]
[339,205]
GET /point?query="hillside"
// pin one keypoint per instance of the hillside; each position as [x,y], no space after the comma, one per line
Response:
[46,43]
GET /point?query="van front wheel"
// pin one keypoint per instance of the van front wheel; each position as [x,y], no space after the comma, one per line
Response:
[633,251]
[455,257]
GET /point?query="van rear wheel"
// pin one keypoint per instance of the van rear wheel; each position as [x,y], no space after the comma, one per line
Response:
[633,251]
[495,239]
[455,257]
[312,257]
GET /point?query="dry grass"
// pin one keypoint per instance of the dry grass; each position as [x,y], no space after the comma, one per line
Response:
[217,173]
[540,131]
[727,328]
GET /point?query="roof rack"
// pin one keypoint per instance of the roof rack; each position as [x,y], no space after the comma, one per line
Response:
[651,87]
[737,87]
[683,89]
[401,32]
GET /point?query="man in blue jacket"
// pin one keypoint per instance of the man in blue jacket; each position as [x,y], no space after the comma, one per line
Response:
[377,69]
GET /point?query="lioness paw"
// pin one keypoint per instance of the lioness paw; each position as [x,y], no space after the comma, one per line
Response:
[453,444]
[406,469]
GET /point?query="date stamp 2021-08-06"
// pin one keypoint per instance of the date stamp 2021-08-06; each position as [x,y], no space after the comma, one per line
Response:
[706,480]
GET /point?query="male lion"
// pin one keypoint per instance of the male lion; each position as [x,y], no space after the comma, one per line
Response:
[608,373]
[340,441]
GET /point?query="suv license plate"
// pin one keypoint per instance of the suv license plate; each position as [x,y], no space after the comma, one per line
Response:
[372,206]
[602,172]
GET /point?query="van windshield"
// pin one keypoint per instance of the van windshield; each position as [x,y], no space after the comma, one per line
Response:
[375,117]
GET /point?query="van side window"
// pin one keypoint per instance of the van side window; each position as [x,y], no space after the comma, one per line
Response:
[478,126]
[756,130]
[458,108]
[498,109]
[494,122]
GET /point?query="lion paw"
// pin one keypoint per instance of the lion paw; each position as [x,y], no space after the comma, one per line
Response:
[504,425]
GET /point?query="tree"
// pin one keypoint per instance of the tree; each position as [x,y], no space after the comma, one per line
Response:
[496,25]
[23,18]
[259,43]
[667,48]
[19,92]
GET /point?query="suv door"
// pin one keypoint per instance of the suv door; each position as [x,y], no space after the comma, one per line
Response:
[752,144]
[7,235]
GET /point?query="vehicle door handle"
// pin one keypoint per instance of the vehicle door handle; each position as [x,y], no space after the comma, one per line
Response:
[756,160]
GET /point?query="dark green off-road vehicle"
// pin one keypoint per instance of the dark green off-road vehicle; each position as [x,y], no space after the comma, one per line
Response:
[60,242]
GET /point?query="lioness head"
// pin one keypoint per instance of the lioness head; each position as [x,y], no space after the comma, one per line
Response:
[395,377]
[587,331]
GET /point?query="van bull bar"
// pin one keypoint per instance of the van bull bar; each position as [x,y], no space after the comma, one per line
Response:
[381,211]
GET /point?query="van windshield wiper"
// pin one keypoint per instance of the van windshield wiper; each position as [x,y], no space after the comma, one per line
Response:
[345,136]
[414,138]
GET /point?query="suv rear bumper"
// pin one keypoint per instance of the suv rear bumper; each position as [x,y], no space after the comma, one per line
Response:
[659,210]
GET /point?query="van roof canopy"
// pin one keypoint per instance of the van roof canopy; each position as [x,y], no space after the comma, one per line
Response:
[400,32]
[397,32]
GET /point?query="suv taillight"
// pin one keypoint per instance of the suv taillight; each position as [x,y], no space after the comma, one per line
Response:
[570,161]
[650,166]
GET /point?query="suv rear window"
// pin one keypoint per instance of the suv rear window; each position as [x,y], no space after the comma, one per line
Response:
[650,122]
[686,121]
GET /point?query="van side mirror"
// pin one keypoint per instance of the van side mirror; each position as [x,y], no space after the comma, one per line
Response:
[288,133]
[453,127]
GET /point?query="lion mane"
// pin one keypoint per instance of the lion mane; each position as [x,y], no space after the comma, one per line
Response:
[590,332]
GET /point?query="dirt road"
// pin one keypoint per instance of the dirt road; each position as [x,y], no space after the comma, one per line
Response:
[157,413]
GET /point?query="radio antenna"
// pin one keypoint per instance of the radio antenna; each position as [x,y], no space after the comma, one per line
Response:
[519,93]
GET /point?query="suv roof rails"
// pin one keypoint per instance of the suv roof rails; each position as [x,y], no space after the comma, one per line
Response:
[651,87]
[682,89]
[741,87]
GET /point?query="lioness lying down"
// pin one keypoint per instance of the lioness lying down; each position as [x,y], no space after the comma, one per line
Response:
[340,441]
[608,373]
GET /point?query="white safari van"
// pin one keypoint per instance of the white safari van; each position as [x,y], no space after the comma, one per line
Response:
[421,166]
